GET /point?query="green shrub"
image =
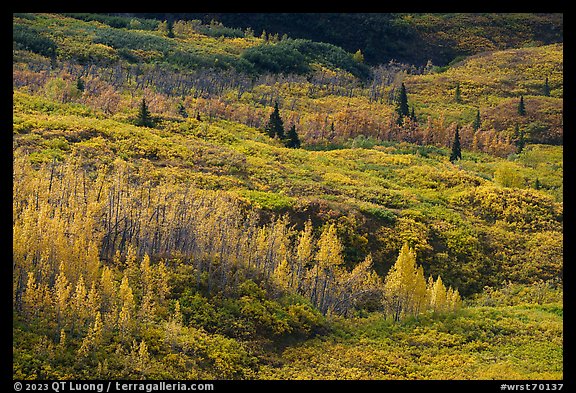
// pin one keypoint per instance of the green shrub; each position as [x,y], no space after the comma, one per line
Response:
[29,38]
[277,58]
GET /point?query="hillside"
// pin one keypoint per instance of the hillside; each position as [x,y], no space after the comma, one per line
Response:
[408,38]
[162,232]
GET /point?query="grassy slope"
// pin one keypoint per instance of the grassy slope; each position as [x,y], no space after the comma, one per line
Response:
[415,186]
[505,342]
[492,82]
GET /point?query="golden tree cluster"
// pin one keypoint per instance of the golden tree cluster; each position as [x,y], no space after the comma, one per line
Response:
[408,293]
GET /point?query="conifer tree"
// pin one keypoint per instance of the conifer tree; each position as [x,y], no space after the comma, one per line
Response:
[292,140]
[537,184]
[144,118]
[413,115]
[80,84]
[521,107]
[546,88]
[170,28]
[182,110]
[275,126]
[402,104]
[520,140]
[456,153]
[332,132]
[477,122]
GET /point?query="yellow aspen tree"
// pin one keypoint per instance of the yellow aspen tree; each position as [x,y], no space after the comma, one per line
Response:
[126,307]
[448,303]
[107,289]
[419,301]
[91,260]
[93,300]
[46,305]
[282,274]
[453,299]
[79,305]
[126,295]
[304,255]
[117,260]
[62,293]
[161,283]
[143,358]
[261,248]
[31,297]
[132,268]
[146,275]
[44,267]
[456,299]
[329,257]
[62,340]
[177,315]
[438,296]
[93,338]
[400,283]
[429,290]
[173,326]
[147,306]
[124,322]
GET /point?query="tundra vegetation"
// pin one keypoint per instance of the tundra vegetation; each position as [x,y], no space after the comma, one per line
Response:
[193,200]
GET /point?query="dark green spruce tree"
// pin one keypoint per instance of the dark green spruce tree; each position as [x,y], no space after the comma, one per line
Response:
[292,139]
[521,107]
[546,88]
[402,104]
[170,28]
[80,84]
[144,118]
[520,140]
[275,126]
[477,122]
[456,153]
[537,184]
[182,110]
